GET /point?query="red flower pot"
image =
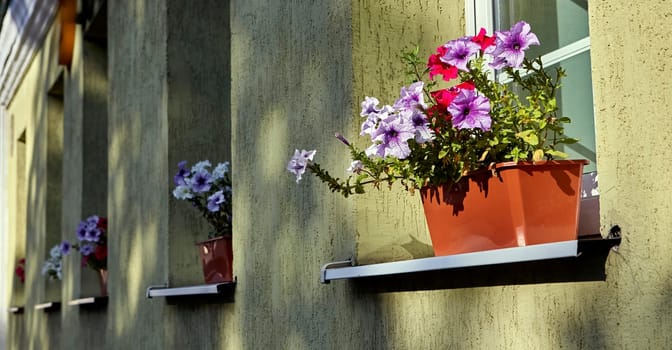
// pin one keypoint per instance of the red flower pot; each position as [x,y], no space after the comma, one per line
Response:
[102,281]
[517,204]
[217,259]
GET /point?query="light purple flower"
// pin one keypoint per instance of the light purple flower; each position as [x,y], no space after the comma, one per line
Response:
[369,105]
[65,247]
[86,249]
[511,46]
[419,120]
[470,110]
[215,200]
[370,125]
[92,234]
[201,182]
[92,221]
[299,162]
[182,173]
[411,97]
[201,166]
[220,171]
[183,192]
[342,138]
[391,138]
[81,231]
[459,52]
[356,167]
[55,252]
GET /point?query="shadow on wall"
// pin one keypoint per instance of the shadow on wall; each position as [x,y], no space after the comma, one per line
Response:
[296,97]
[136,169]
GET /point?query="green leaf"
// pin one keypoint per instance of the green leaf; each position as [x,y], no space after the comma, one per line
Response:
[529,137]
[443,153]
[538,155]
[555,153]
[568,140]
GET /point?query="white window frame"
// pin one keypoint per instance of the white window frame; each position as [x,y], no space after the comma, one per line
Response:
[480,14]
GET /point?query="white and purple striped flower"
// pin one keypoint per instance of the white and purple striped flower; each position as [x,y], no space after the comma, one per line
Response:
[299,162]
[511,45]
[459,52]
[470,110]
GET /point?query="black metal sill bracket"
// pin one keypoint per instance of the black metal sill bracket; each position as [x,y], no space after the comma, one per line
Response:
[570,261]
[199,294]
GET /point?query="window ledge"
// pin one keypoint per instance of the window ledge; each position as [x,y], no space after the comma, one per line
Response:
[48,307]
[16,309]
[90,302]
[509,261]
[205,293]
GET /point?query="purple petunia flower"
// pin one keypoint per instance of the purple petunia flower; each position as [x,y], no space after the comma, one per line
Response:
[200,166]
[511,45]
[299,162]
[411,97]
[182,173]
[458,53]
[369,105]
[201,182]
[86,249]
[183,192]
[391,138]
[92,221]
[92,234]
[419,120]
[81,231]
[370,125]
[65,247]
[215,200]
[470,110]
[220,170]
[356,167]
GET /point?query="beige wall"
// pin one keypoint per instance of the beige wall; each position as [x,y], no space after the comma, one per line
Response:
[28,217]
[632,56]
[297,73]
[385,233]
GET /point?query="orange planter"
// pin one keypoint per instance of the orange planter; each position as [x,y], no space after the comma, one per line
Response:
[217,259]
[517,204]
[102,281]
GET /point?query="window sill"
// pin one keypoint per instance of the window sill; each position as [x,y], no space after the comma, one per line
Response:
[16,309]
[49,307]
[90,302]
[205,293]
[579,260]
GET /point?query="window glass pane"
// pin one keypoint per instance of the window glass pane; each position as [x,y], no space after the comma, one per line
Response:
[555,22]
[575,99]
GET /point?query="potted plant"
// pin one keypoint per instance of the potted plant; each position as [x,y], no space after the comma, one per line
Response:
[470,145]
[209,191]
[20,270]
[92,245]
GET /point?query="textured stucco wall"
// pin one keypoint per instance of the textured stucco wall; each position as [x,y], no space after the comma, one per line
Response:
[292,87]
[30,111]
[632,59]
[137,184]
[298,70]
[382,30]
[85,184]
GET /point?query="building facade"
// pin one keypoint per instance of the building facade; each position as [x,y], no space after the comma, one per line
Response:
[147,84]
